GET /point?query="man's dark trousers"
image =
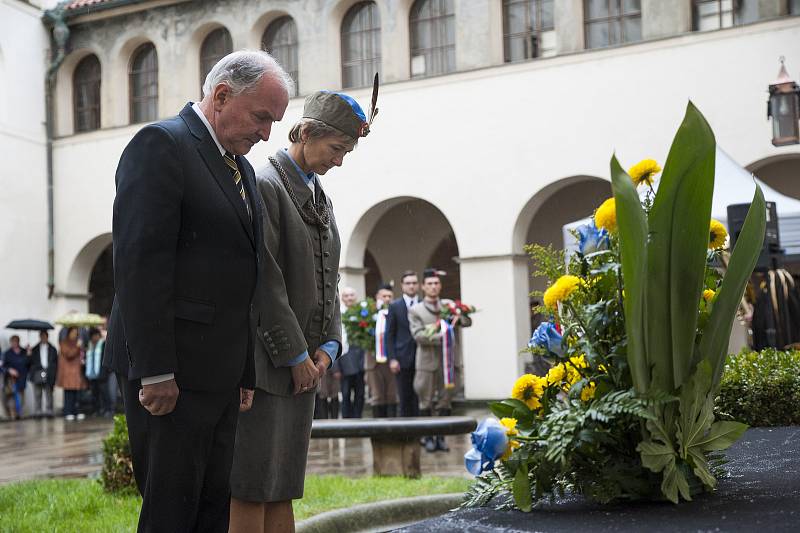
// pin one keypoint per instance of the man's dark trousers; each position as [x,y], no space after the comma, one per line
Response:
[409,404]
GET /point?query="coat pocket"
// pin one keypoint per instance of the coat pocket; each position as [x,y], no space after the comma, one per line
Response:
[194,310]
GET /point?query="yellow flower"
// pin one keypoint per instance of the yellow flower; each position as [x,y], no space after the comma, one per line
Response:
[512,444]
[644,172]
[708,295]
[606,215]
[716,234]
[587,393]
[529,389]
[560,290]
[556,374]
[511,426]
[575,363]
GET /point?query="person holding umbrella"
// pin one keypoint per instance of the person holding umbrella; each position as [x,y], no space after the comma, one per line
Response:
[44,365]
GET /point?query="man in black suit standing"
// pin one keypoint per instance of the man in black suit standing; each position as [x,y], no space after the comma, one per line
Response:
[400,345]
[187,220]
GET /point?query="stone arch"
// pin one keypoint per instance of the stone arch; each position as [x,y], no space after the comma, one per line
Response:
[260,26]
[781,172]
[83,265]
[64,98]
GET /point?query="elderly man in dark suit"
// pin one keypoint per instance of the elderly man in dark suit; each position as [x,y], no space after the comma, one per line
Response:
[44,366]
[400,344]
[186,228]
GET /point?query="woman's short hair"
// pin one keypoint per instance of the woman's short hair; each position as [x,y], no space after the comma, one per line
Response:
[315,129]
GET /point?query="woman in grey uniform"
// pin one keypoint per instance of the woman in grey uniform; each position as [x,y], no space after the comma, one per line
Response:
[299,324]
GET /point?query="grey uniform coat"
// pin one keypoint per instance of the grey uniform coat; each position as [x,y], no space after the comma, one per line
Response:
[298,310]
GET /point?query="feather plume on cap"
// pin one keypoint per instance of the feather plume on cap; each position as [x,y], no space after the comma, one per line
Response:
[373,109]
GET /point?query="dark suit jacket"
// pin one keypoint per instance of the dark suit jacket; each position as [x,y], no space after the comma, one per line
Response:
[400,344]
[350,363]
[185,260]
[52,363]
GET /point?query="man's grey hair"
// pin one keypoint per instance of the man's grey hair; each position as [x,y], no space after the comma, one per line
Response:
[242,70]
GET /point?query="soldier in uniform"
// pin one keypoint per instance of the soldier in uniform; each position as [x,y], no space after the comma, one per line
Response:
[380,380]
[429,378]
[299,330]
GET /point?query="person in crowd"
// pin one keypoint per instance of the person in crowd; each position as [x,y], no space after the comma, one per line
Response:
[97,375]
[380,379]
[186,231]
[300,332]
[349,369]
[44,366]
[327,401]
[69,376]
[429,380]
[15,364]
[400,345]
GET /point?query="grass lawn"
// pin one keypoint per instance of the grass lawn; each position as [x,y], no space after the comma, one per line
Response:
[74,505]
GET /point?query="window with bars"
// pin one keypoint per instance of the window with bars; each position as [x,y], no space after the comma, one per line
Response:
[280,40]
[86,94]
[216,45]
[717,14]
[528,29]
[794,7]
[433,37]
[143,84]
[610,22]
[361,45]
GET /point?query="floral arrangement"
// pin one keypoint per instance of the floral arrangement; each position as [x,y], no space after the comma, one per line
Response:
[359,324]
[639,321]
[448,312]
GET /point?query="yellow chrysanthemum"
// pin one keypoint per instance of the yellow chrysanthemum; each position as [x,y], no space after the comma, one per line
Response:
[512,444]
[606,215]
[575,364]
[511,426]
[716,234]
[708,295]
[587,392]
[644,172]
[529,389]
[556,374]
[560,290]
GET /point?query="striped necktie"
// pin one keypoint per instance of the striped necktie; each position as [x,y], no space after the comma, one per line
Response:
[237,179]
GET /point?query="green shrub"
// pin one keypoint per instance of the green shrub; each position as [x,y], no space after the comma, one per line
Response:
[117,474]
[761,388]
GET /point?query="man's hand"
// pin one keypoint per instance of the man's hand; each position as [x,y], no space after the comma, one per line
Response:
[337,375]
[305,376]
[13,372]
[245,399]
[322,361]
[159,398]
[394,366]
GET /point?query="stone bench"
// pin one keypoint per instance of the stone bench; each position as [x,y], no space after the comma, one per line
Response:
[395,441]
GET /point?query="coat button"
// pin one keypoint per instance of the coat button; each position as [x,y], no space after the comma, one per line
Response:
[319,271]
[327,269]
[327,254]
[329,302]
[328,285]
[325,237]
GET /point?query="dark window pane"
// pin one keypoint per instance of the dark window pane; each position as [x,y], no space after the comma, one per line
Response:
[794,7]
[86,94]
[632,29]
[597,35]
[216,45]
[611,22]
[524,23]
[597,8]
[432,24]
[143,83]
[361,51]
[280,40]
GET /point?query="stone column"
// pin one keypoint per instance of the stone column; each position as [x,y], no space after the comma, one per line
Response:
[568,19]
[479,34]
[353,277]
[664,18]
[498,287]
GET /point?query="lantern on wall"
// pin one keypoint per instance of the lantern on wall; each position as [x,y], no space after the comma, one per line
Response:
[784,109]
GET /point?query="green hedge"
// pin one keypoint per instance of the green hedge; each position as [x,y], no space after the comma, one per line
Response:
[117,473]
[761,388]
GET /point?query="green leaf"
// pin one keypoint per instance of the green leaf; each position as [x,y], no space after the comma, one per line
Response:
[669,484]
[632,228]
[522,489]
[700,468]
[696,409]
[714,343]
[656,456]
[722,435]
[676,250]
[500,409]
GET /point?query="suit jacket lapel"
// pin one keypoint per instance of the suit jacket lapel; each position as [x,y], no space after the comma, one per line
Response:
[216,165]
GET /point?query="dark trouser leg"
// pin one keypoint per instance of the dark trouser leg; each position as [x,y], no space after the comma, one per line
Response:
[105,396]
[320,407]
[441,445]
[347,402]
[182,460]
[70,402]
[38,392]
[391,410]
[48,399]
[405,390]
[94,386]
[379,411]
[333,408]
[358,401]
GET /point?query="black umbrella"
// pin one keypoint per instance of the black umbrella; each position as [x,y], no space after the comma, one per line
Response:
[30,324]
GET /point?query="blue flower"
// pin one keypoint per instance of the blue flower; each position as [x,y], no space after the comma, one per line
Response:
[590,239]
[489,443]
[364,313]
[547,336]
[371,331]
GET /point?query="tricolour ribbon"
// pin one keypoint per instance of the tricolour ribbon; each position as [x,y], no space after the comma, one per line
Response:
[380,336]
[448,353]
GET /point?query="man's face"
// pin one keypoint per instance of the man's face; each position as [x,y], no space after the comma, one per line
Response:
[349,297]
[14,342]
[243,120]
[43,336]
[385,296]
[410,285]
[431,287]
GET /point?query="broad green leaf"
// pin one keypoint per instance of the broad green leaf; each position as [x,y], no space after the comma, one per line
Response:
[714,344]
[683,485]
[522,489]
[632,228]
[721,435]
[655,456]
[678,240]
[696,409]
[700,468]
[669,483]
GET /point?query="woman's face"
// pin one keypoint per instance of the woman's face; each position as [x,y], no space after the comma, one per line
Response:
[323,153]
[72,334]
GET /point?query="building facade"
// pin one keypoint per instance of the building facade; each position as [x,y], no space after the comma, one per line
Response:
[497,122]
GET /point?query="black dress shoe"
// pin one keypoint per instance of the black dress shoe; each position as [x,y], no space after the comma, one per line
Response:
[441,445]
[430,444]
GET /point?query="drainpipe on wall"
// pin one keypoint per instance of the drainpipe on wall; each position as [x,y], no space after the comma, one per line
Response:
[54,18]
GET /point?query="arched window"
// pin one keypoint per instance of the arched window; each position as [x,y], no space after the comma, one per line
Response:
[361,45]
[610,22]
[86,94]
[433,37]
[528,29]
[143,84]
[280,40]
[216,45]
[717,14]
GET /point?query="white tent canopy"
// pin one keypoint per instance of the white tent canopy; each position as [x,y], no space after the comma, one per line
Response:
[734,185]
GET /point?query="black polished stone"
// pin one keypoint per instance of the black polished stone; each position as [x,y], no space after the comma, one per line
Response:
[392,428]
[760,494]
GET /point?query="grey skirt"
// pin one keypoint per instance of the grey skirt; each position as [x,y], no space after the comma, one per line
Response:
[269,460]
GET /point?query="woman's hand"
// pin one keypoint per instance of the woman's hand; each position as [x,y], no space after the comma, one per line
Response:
[305,376]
